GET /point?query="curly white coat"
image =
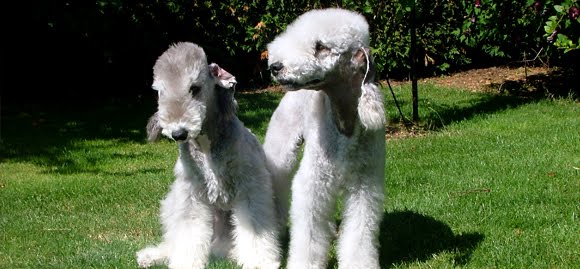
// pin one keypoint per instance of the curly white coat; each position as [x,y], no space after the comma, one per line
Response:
[337,110]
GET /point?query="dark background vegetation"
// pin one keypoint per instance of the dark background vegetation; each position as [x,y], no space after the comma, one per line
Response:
[62,50]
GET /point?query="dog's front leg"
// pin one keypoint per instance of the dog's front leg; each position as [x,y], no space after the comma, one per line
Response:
[314,195]
[191,241]
[281,145]
[255,230]
[187,224]
[363,211]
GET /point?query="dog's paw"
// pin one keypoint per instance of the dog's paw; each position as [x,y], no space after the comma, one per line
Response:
[148,257]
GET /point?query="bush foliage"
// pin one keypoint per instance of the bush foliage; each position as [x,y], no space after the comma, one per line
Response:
[121,39]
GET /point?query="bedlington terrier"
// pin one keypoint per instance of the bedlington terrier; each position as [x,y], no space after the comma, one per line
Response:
[221,202]
[335,108]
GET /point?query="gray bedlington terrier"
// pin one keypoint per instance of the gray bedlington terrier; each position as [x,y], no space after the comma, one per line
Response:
[335,108]
[221,202]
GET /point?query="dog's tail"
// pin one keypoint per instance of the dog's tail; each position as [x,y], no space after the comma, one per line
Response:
[153,128]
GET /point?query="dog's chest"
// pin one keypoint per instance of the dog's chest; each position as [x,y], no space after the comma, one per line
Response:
[220,193]
[218,189]
[335,151]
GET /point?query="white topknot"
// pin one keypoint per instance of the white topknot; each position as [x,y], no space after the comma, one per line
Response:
[351,31]
[179,64]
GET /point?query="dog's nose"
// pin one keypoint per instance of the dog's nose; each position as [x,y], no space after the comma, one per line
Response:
[276,67]
[179,135]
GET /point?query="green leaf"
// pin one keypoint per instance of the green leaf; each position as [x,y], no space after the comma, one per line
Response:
[559,8]
[564,38]
[549,27]
[368,9]
[530,2]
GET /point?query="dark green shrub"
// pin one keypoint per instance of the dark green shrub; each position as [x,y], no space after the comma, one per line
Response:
[120,40]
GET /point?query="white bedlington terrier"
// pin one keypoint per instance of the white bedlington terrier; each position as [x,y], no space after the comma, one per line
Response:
[335,108]
[221,202]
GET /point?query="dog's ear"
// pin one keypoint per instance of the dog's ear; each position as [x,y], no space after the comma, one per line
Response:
[371,110]
[153,128]
[227,104]
[222,77]
[360,56]
[362,59]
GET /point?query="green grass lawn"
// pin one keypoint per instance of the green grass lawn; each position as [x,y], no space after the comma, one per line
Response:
[494,183]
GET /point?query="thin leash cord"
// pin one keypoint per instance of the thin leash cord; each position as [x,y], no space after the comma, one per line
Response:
[406,122]
[368,68]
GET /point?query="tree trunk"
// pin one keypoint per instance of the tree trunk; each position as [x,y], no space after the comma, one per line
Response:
[413,56]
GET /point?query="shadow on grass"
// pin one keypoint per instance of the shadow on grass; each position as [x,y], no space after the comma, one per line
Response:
[46,134]
[407,236]
[558,83]
[442,115]
[43,133]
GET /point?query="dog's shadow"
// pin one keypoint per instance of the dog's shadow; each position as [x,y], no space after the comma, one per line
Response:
[408,236]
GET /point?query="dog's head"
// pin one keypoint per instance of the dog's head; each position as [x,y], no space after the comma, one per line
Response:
[186,85]
[320,46]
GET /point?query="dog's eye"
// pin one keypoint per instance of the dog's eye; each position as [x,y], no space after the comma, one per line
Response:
[320,48]
[194,89]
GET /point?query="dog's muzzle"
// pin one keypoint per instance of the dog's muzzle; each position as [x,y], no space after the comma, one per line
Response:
[179,135]
[276,67]
[291,84]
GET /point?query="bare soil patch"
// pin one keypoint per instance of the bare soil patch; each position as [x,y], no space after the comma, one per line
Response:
[527,83]
[483,79]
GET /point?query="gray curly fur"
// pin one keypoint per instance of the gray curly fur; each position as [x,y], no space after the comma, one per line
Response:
[221,201]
